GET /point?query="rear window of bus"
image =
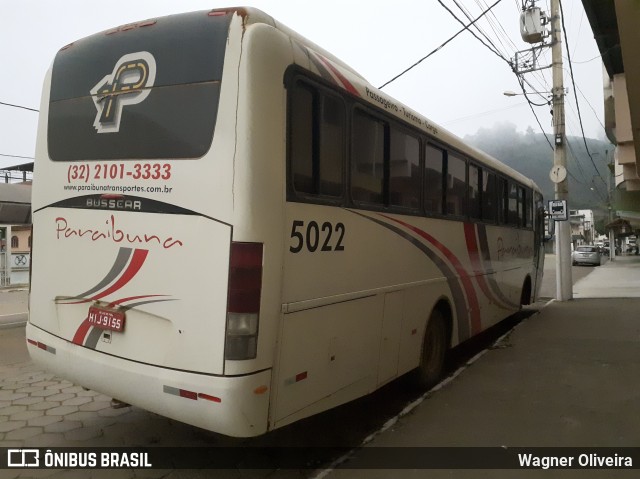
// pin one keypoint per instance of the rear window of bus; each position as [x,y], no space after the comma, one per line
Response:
[143,91]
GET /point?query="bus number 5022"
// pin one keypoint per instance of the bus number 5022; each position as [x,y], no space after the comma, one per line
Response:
[315,237]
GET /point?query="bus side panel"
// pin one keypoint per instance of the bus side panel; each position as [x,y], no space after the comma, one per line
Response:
[357,296]
[326,357]
[418,303]
[512,254]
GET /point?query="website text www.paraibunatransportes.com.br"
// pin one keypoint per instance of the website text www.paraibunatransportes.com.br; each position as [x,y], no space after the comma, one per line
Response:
[119,188]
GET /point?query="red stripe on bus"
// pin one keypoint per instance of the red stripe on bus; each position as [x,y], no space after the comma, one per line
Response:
[485,257]
[131,298]
[138,259]
[81,332]
[346,83]
[476,325]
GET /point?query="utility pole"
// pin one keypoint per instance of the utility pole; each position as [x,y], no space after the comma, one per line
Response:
[564,283]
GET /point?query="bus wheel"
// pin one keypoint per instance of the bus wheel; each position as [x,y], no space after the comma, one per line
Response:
[434,349]
[525,294]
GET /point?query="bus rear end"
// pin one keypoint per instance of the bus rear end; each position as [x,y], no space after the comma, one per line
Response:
[137,289]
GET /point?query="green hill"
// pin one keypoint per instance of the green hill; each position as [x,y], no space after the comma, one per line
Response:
[531,154]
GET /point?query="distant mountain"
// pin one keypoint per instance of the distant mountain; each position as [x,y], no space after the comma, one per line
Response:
[531,154]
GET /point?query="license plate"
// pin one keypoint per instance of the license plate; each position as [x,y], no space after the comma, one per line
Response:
[104,318]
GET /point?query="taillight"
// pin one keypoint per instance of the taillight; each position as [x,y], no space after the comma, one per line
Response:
[243,306]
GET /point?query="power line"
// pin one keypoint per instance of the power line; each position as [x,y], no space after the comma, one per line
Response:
[504,34]
[494,49]
[587,61]
[17,156]
[19,106]
[483,113]
[438,48]
[471,31]
[520,80]
[576,96]
[595,113]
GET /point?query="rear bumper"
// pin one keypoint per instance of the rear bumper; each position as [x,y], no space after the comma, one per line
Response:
[242,409]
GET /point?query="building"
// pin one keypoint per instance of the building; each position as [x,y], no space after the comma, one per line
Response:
[582,227]
[615,28]
[15,226]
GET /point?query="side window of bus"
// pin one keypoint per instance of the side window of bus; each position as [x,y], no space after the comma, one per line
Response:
[512,205]
[367,160]
[456,186]
[332,146]
[521,210]
[317,139]
[540,216]
[301,139]
[528,209]
[404,170]
[489,196]
[433,174]
[475,178]
[503,201]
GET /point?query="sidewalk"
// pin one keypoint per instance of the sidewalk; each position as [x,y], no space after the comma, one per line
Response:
[615,279]
[565,377]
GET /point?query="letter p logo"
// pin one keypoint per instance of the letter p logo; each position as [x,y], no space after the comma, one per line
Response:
[129,83]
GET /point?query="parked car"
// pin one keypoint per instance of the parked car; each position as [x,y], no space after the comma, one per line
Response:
[588,254]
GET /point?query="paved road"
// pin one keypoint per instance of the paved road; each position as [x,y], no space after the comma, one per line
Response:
[548,288]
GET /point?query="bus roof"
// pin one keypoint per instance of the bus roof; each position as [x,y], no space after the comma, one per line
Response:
[254,15]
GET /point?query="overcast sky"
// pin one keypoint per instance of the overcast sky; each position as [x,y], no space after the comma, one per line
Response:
[460,87]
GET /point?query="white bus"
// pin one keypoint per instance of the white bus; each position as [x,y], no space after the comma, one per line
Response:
[232,228]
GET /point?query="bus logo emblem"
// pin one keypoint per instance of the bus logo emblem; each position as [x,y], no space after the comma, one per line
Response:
[129,84]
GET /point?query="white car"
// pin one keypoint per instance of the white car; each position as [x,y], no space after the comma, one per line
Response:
[586,254]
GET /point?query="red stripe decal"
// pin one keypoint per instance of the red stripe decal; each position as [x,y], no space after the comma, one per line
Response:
[131,298]
[82,331]
[139,256]
[474,306]
[136,263]
[346,83]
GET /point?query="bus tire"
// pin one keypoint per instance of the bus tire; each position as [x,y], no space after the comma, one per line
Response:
[525,294]
[433,352]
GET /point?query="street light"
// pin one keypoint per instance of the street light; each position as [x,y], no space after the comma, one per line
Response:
[513,93]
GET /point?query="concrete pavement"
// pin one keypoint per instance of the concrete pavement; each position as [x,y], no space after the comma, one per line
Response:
[619,278]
